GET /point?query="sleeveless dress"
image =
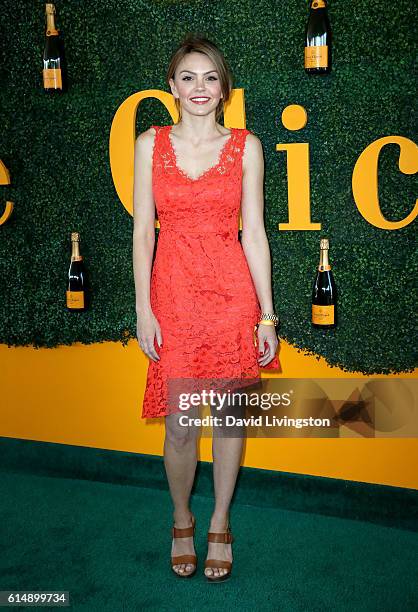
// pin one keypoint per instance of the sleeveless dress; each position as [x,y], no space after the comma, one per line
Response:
[201,290]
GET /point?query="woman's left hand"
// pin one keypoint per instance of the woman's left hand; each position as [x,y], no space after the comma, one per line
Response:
[267,343]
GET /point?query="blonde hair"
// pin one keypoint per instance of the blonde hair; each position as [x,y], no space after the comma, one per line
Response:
[200,44]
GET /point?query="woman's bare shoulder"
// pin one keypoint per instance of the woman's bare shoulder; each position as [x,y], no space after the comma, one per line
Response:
[147,136]
[144,142]
[253,150]
[253,141]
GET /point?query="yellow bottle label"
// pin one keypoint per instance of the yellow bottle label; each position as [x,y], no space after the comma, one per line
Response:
[318,4]
[322,315]
[52,78]
[75,299]
[316,56]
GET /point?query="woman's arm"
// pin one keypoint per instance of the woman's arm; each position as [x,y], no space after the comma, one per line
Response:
[144,242]
[254,239]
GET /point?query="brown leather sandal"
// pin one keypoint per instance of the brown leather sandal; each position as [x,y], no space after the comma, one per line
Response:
[186,532]
[226,538]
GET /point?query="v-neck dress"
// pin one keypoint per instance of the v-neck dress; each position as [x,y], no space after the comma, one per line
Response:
[201,291]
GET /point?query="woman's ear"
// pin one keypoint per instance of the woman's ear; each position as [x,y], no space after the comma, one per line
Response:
[173,88]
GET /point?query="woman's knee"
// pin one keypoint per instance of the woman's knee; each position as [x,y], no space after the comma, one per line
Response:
[230,415]
[177,433]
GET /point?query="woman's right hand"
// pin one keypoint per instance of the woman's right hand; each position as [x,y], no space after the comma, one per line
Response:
[147,328]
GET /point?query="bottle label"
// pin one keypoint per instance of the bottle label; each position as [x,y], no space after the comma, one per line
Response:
[316,56]
[323,268]
[52,32]
[75,299]
[318,4]
[52,78]
[323,315]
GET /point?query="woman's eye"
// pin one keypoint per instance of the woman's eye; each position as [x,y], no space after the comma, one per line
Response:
[189,77]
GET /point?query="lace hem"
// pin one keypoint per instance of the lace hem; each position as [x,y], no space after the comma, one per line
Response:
[236,361]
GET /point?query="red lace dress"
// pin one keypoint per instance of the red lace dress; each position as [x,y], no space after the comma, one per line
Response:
[201,292]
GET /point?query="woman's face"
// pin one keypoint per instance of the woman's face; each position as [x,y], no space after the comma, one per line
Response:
[196,77]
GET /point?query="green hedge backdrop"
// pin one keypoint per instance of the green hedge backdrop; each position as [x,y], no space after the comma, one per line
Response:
[57,151]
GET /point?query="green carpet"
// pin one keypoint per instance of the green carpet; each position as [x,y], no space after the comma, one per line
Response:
[109,545]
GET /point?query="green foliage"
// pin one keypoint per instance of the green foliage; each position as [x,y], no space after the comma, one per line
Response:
[56,149]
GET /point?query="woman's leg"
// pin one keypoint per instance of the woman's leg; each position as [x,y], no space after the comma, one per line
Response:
[227,455]
[180,459]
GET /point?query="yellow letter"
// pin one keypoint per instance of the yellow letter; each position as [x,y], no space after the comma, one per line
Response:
[5,180]
[298,191]
[365,180]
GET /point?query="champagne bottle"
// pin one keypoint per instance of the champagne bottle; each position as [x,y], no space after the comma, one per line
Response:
[76,286]
[318,39]
[324,294]
[52,70]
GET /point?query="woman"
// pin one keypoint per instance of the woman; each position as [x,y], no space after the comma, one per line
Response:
[207,293]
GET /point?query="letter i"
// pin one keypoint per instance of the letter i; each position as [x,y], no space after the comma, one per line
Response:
[294,117]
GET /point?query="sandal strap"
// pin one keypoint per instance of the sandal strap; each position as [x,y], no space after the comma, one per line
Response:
[184,559]
[184,532]
[218,563]
[223,538]
[187,532]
